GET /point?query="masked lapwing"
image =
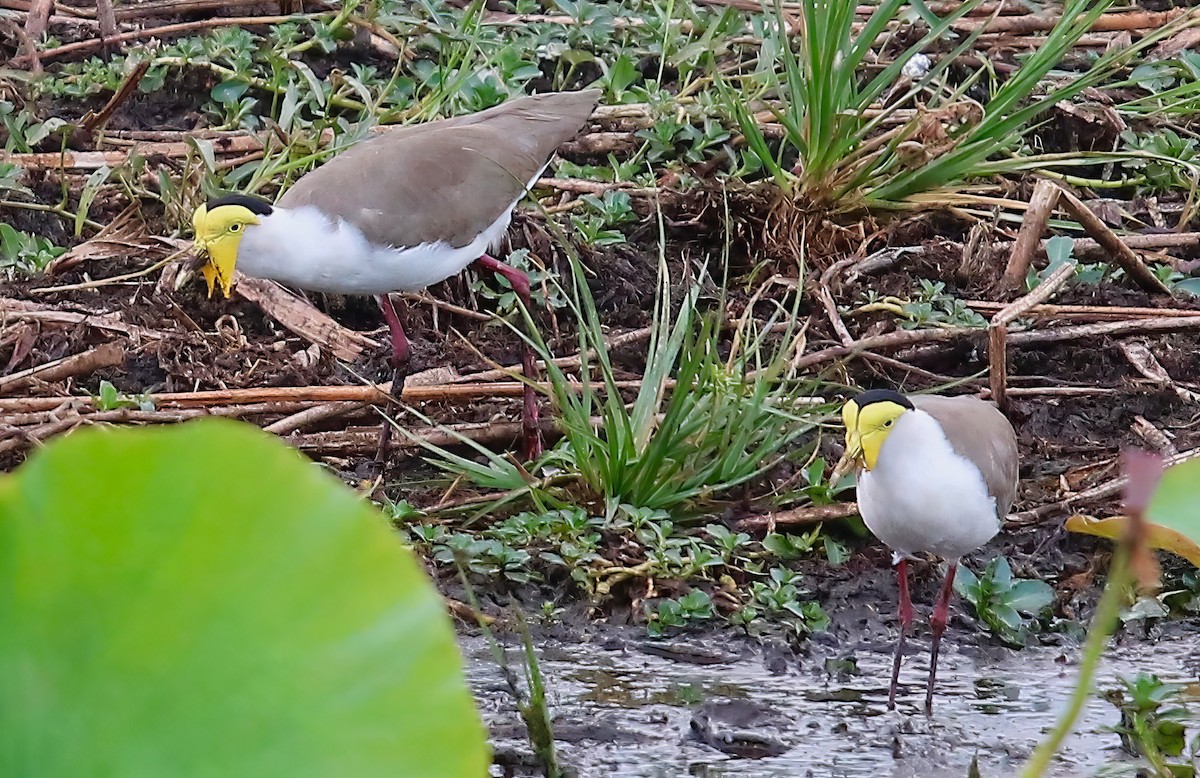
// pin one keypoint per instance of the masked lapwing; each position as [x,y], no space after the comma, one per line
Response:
[936,475]
[397,213]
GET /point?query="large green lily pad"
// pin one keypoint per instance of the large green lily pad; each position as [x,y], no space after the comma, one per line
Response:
[201,601]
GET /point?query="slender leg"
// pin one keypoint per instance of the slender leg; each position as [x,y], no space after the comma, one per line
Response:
[906,617]
[529,411]
[937,624]
[400,349]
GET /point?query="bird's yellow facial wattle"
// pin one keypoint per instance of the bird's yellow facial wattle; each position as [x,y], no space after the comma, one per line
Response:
[867,427]
[218,235]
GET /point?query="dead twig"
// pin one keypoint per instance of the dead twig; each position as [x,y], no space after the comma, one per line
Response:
[299,316]
[160,32]
[93,121]
[1104,491]
[1084,312]
[1041,203]
[998,329]
[798,517]
[105,355]
[377,394]
[1124,256]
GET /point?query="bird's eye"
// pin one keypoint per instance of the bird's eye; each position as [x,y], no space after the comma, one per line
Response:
[889,422]
[235,228]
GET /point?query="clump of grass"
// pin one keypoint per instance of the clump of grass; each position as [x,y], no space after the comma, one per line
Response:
[700,425]
[836,123]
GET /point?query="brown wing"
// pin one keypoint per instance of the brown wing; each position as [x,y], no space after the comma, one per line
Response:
[978,431]
[443,180]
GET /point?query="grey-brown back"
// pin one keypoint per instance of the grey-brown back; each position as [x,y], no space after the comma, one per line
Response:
[978,431]
[447,179]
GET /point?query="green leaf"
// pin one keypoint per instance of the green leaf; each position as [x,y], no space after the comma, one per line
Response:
[1174,502]
[201,598]
[1030,596]
[1059,249]
[229,91]
[90,187]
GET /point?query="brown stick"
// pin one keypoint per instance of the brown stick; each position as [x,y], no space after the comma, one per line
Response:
[998,329]
[798,517]
[1041,203]
[92,160]
[35,27]
[1084,311]
[106,355]
[1079,331]
[92,121]
[1109,22]
[364,440]
[1124,256]
[22,438]
[108,24]
[299,316]
[886,341]
[1105,490]
[321,394]
[1086,247]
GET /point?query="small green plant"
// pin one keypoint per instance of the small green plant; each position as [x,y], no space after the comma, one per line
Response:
[930,305]
[544,290]
[1172,161]
[787,546]
[782,597]
[999,599]
[1154,725]
[605,213]
[110,399]
[489,558]
[694,606]
[22,254]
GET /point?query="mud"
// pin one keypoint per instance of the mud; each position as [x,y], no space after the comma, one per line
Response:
[621,708]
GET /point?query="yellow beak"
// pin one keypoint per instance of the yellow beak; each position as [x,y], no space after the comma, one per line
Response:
[852,458]
[219,258]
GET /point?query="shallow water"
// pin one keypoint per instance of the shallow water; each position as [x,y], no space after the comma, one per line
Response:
[628,713]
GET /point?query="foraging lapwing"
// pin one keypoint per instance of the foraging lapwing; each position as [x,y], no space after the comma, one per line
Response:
[397,213]
[936,475]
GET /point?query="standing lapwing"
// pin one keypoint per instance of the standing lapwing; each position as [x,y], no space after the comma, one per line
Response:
[398,213]
[936,475]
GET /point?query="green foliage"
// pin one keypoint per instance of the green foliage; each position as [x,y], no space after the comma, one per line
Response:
[605,213]
[844,156]
[1171,161]
[1174,502]
[695,606]
[22,254]
[544,289]
[1154,724]
[201,595]
[782,597]
[930,305]
[109,399]
[717,429]
[999,599]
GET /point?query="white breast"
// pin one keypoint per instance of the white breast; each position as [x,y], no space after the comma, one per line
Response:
[305,249]
[922,496]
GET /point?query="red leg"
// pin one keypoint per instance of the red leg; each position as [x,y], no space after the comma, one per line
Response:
[937,623]
[400,351]
[906,617]
[400,345]
[529,411]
